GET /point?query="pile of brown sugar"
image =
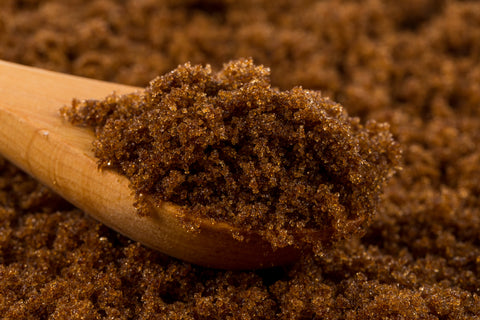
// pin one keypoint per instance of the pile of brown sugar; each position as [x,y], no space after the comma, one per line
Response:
[228,147]
[413,63]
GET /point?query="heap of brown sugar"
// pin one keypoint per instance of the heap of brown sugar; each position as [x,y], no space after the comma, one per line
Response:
[229,147]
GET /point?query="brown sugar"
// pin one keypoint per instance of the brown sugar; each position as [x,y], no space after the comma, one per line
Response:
[413,64]
[229,147]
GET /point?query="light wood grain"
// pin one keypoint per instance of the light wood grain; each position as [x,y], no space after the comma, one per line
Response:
[35,138]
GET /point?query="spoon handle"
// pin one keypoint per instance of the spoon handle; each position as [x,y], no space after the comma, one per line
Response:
[35,138]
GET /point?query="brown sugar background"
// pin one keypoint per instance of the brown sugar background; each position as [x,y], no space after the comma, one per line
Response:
[414,64]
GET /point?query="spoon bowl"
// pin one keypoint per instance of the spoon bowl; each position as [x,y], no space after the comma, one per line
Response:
[34,137]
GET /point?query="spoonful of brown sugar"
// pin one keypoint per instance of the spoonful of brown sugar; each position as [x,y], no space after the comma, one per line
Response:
[216,168]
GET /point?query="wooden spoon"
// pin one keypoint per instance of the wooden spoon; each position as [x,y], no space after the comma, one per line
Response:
[35,138]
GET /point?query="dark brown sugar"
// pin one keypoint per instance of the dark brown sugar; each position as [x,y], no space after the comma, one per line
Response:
[413,64]
[228,147]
